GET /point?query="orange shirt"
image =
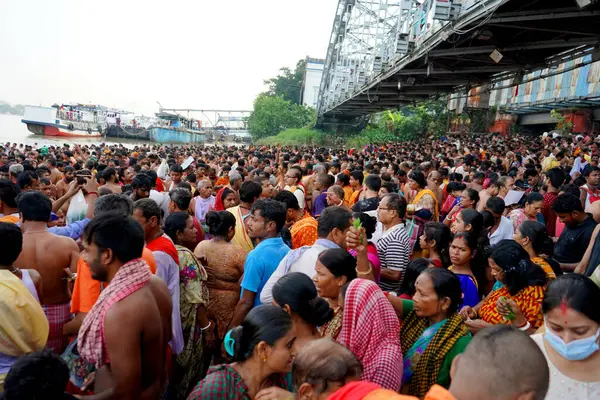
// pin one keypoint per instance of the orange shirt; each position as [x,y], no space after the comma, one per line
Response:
[12,219]
[353,198]
[87,290]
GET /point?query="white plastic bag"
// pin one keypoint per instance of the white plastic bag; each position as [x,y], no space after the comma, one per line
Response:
[163,170]
[77,208]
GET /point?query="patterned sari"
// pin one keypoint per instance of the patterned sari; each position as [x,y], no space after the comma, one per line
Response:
[413,355]
[190,365]
[332,328]
[223,382]
[528,299]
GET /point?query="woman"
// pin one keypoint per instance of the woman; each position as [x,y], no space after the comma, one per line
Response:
[371,330]
[224,264]
[468,201]
[570,342]
[533,237]
[297,295]
[433,333]
[334,268]
[226,199]
[462,253]
[263,351]
[519,300]
[198,332]
[454,192]
[370,224]
[321,368]
[423,207]
[534,202]
[467,220]
[413,270]
[436,239]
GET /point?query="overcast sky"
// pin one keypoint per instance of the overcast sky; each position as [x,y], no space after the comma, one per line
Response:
[129,54]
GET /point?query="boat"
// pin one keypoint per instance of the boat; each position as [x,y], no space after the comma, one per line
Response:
[174,128]
[76,120]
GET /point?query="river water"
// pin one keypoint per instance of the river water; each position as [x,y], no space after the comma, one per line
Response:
[14,131]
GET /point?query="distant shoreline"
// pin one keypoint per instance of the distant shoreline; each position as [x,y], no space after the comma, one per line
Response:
[15,115]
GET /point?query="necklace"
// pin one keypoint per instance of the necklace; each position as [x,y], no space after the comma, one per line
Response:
[14,270]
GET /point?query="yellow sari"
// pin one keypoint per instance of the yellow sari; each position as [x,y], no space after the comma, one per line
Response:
[420,201]
[241,235]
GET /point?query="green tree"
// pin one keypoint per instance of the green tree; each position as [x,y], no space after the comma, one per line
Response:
[272,115]
[288,84]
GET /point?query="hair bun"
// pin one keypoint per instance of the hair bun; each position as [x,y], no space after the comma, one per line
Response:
[319,313]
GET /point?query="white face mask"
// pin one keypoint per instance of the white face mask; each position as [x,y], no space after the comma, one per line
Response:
[577,349]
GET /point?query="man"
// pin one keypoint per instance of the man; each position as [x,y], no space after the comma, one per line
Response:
[502,228]
[85,289]
[336,197]
[141,187]
[28,181]
[162,199]
[203,203]
[575,237]
[55,174]
[63,185]
[394,247]
[302,226]
[324,182]
[125,334]
[589,191]
[23,325]
[343,180]
[506,184]
[267,186]
[477,182]
[176,176]
[492,190]
[333,225]
[14,171]
[550,161]
[356,181]
[50,255]
[250,191]
[292,183]
[434,179]
[555,177]
[8,201]
[499,351]
[371,198]
[147,213]
[180,202]
[532,176]
[265,224]
[111,178]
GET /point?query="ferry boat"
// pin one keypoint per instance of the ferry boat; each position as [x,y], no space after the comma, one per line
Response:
[174,128]
[67,120]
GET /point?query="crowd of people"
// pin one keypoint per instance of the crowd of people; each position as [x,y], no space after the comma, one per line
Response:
[463,268]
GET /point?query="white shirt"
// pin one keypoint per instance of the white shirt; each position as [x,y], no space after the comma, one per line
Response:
[305,264]
[168,271]
[505,231]
[299,193]
[162,199]
[563,387]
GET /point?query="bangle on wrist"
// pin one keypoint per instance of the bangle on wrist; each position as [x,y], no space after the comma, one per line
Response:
[206,327]
[364,273]
[524,327]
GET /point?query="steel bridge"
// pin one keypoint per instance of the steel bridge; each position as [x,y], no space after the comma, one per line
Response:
[386,53]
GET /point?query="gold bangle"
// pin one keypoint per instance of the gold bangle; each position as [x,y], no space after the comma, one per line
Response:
[369,272]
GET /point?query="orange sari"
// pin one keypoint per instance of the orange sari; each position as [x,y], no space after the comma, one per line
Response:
[529,301]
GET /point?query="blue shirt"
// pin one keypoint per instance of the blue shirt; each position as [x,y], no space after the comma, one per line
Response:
[319,204]
[261,263]
[74,230]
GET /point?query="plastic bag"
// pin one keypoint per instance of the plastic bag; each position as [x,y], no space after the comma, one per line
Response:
[77,208]
[163,170]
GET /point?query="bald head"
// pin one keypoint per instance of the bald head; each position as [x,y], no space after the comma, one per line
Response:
[500,363]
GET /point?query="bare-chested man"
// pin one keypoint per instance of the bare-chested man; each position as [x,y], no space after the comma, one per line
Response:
[55,174]
[63,185]
[112,180]
[49,255]
[134,313]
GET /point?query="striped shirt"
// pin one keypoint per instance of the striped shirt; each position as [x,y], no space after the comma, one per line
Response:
[394,253]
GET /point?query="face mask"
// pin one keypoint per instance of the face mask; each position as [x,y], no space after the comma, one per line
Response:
[576,350]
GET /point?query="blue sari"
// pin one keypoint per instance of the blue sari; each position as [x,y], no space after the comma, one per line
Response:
[411,359]
[469,289]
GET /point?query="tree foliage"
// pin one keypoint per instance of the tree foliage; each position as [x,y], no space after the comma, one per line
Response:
[272,115]
[288,84]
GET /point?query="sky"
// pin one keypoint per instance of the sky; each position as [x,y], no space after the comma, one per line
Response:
[129,54]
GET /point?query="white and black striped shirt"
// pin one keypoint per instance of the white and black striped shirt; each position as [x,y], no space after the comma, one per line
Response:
[394,253]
